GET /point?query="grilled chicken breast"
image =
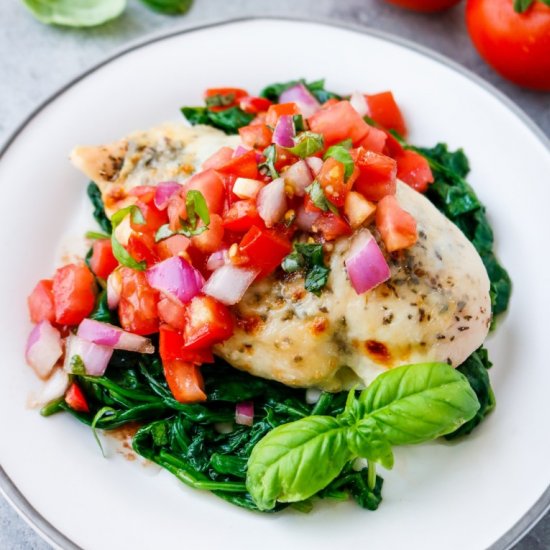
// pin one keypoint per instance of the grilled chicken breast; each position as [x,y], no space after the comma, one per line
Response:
[435,307]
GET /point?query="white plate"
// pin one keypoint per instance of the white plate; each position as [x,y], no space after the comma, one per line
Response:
[439,495]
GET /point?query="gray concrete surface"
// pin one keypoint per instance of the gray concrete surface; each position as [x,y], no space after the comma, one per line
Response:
[35,60]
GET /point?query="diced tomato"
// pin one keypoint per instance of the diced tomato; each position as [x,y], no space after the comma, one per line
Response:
[207,322]
[257,136]
[254,105]
[278,110]
[172,348]
[393,148]
[243,166]
[73,294]
[185,381]
[228,97]
[414,170]
[331,177]
[76,399]
[137,309]
[338,122]
[103,262]
[264,249]
[242,216]
[377,174]
[384,110]
[211,186]
[141,246]
[175,245]
[309,205]
[219,158]
[172,312]
[40,302]
[375,140]
[331,226]
[358,209]
[211,239]
[283,157]
[154,218]
[145,193]
[397,227]
[329,102]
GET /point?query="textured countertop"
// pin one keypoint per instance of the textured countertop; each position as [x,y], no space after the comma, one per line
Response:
[36,60]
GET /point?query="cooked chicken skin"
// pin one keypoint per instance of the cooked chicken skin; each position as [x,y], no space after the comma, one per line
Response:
[435,307]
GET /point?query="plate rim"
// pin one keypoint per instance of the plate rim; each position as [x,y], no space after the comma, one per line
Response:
[8,489]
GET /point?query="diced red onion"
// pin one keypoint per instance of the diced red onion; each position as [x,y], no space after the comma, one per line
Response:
[271,202]
[229,283]
[94,356]
[106,334]
[284,131]
[114,285]
[246,188]
[365,263]
[315,164]
[244,413]
[176,276]
[300,95]
[359,103]
[54,388]
[305,220]
[163,192]
[217,259]
[43,348]
[298,176]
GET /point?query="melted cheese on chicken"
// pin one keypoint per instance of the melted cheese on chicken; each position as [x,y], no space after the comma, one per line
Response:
[435,307]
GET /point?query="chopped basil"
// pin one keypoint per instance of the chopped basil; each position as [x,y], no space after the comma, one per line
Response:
[299,124]
[77,365]
[319,199]
[307,144]
[310,259]
[341,154]
[96,236]
[119,252]
[268,166]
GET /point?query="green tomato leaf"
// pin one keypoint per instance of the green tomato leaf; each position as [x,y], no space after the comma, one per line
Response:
[75,13]
[417,403]
[319,199]
[367,440]
[296,460]
[307,144]
[521,6]
[341,154]
[169,7]
[119,252]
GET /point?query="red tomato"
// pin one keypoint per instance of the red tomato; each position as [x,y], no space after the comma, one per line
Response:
[516,45]
[228,97]
[264,249]
[278,110]
[171,348]
[102,262]
[154,218]
[309,205]
[392,148]
[211,186]
[242,216]
[145,193]
[175,245]
[141,246]
[243,166]
[331,226]
[424,5]
[397,227]
[414,170]
[76,399]
[384,110]
[211,239]
[40,302]
[375,140]
[338,122]
[73,294]
[219,158]
[377,174]
[331,177]
[185,381]
[207,322]
[283,157]
[257,136]
[137,309]
[172,312]
[254,105]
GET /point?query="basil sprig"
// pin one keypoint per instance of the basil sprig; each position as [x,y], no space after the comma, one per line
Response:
[403,406]
[119,252]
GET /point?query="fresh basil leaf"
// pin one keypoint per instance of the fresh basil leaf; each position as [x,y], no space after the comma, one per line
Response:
[75,13]
[196,115]
[317,88]
[319,199]
[96,236]
[316,279]
[101,218]
[521,6]
[228,120]
[341,154]
[311,252]
[169,7]
[77,365]
[366,439]
[417,403]
[119,252]
[268,166]
[294,461]
[307,144]
[195,205]
[163,232]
